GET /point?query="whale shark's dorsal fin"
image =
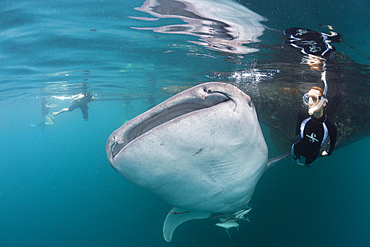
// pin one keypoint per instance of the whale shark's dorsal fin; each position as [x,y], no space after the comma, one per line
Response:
[176,217]
[276,159]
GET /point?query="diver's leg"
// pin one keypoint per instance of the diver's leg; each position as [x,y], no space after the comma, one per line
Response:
[48,120]
[42,131]
[85,114]
[311,159]
[61,111]
[40,124]
[296,150]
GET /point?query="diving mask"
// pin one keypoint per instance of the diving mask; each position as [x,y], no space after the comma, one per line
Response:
[313,101]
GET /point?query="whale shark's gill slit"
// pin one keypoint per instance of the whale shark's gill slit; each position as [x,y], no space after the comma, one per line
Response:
[116,147]
[170,114]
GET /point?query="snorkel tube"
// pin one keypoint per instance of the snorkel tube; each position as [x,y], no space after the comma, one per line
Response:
[323,97]
[317,107]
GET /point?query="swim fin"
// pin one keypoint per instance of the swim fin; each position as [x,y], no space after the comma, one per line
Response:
[43,127]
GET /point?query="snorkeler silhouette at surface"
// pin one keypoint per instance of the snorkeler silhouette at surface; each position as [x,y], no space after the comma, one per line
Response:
[310,42]
[316,47]
[313,128]
[79,101]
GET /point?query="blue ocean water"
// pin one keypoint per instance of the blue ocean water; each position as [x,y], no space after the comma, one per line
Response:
[60,190]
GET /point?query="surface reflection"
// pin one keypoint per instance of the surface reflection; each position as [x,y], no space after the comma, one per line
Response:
[222,25]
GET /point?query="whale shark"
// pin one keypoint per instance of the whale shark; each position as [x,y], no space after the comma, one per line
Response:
[202,151]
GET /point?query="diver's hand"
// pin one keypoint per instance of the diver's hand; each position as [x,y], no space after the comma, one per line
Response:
[324,153]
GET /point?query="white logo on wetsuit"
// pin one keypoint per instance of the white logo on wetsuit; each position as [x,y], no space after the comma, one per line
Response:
[312,45]
[300,32]
[309,42]
[314,48]
[312,137]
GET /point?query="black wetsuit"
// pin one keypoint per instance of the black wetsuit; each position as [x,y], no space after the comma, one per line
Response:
[82,104]
[312,134]
[311,42]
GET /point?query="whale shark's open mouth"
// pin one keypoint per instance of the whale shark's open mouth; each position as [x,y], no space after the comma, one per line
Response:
[162,114]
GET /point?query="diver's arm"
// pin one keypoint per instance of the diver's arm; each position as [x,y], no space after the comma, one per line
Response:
[302,115]
[333,138]
[50,105]
[297,128]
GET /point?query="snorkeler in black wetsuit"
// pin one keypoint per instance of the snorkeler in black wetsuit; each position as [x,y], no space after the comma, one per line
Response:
[81,102]
[312,42]
[313,130]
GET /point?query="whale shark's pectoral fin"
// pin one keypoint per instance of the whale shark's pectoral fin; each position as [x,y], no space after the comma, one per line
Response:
[278,158]
[176,217]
